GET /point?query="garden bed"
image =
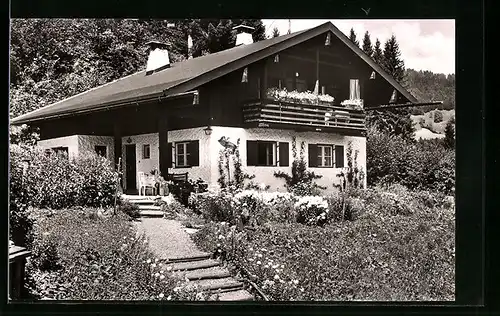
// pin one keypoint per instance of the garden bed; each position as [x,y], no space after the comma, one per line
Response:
[400,246]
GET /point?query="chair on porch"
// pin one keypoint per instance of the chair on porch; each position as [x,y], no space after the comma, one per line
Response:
[146,181]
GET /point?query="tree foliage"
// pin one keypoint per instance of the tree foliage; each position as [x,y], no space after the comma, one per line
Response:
[276,32]
[367,44]
[352,37]
[392,62]
[378,55]
[429,86]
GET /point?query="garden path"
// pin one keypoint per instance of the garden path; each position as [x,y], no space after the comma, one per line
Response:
[171,244]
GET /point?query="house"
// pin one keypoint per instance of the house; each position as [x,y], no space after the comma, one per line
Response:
[171,117]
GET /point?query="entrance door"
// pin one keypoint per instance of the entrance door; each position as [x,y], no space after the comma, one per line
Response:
[130,169]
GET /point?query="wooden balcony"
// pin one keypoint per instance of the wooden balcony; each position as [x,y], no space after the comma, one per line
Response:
[316,117]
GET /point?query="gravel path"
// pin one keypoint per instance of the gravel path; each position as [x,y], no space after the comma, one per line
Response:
[167,239]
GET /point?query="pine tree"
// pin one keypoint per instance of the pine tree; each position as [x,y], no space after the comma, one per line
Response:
[377,56]
[392,62]
[352,37]
[367,44]
[276,32]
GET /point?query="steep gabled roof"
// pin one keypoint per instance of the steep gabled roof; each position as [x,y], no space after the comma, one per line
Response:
[190,74]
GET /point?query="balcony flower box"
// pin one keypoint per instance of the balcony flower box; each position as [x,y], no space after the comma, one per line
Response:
[353,104]
[306,97]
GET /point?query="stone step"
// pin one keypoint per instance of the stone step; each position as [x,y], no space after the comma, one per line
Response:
[208,273]
[151,213]
[240,295]
[193,265]
[201,256]
[220,285]
[142,202]
[140,197]
[149,207]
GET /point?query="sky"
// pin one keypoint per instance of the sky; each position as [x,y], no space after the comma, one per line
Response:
[424,44]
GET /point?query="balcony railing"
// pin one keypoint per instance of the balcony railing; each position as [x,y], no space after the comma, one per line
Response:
[266,112]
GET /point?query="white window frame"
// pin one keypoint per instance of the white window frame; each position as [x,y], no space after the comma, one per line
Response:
[144,151]
[274,147]
[185,154]
[322,155]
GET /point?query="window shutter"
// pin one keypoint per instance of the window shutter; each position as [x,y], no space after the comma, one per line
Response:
[252,156]
[313,155]
[169,155]
[339,156]
[284,155]
[193,148]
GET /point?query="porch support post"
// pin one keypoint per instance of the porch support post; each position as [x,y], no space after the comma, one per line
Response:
[117,135]
[163,143]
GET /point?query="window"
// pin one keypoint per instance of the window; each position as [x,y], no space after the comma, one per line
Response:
[181,154]
[325,156]
[146,151]
[101,150]
[184,154]
[354,90]
[267,153]
[60,151]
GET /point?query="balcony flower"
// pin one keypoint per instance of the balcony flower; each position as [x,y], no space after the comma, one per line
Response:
[353,104]
[306,97]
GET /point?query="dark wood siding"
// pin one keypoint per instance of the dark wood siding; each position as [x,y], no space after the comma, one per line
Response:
[284,157]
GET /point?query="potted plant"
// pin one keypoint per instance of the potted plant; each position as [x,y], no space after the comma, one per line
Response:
[353,104]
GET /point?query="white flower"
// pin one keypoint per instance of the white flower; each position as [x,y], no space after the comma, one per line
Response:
[161,295]
[154,265]
[258,262]
[157,275]
[156,260]
[276,277]
[295,282]
[162,277]
[169,268]
[148,261]
[169,298]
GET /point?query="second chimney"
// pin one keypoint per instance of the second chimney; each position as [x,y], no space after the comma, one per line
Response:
[243,34]
[158,57]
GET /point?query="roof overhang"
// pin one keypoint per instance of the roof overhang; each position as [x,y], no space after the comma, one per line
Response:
[180,87]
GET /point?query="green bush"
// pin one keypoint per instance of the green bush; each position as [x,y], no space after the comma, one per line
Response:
[423,165]
[438,116]
[128,208]
[81,256]
[54,181]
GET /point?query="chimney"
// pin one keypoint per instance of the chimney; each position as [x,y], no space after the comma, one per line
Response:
[158,57]
[243,34]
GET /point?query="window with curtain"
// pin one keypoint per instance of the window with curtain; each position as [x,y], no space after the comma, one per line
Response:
[354,90]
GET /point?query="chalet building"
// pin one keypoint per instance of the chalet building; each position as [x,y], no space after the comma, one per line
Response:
[313,85]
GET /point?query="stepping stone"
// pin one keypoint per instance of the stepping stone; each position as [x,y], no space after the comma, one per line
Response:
[193,265]
[151,213]
[240,295]
[209,273]
[149,207]
[222,285]
[201,256]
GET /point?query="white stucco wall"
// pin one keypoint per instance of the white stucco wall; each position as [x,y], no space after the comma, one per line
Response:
[266,174]
[88,143]
[142,165]
[68,141]
[202,171]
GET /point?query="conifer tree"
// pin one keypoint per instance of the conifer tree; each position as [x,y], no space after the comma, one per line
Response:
[377,56]
[392,62]
[352,37]
[367,44]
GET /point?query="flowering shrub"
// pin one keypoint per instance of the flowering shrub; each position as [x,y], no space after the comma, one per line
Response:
[312,210]
[78,255]
[54,181]
[383,255]
[300,97]
[183,189]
